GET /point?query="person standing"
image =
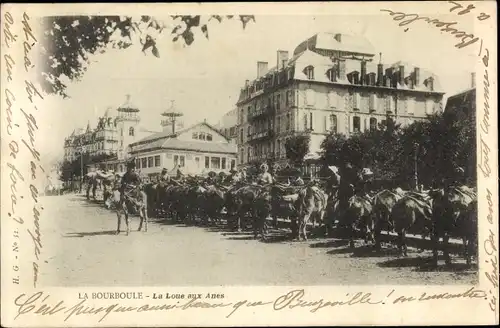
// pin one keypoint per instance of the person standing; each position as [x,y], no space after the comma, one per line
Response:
[265,178]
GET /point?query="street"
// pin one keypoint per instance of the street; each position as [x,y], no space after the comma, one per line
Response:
[82,250]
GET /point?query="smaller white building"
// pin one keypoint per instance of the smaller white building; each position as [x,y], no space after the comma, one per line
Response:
[196,150]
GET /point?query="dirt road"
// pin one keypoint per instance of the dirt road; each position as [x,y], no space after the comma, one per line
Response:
[84,251]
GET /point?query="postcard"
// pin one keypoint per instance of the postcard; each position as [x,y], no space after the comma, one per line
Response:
[237,164]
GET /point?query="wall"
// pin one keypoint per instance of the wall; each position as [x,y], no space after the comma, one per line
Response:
[305,100]
[191,164]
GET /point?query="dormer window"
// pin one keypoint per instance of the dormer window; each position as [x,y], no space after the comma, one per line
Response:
[309,72]
[195,135]
[209,137]
[331,74]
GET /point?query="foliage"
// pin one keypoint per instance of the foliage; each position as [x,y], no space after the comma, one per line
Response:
[436,147]
[68,41]
[297,147]
[74,167]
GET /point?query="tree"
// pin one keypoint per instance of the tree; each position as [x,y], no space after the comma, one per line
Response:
[435,147]
[68,41]
[332,148]
[297,147]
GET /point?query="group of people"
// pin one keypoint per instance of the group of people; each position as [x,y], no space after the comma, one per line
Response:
[352,181]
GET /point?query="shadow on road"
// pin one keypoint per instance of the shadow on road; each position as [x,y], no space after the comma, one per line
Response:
[330,244]
[89,234]
[424,264]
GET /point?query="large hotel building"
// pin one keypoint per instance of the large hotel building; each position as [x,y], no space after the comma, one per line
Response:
[333,82]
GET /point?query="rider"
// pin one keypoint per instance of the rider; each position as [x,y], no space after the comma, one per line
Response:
[164,177]
[348,182]
[130,180]
[298,180]
[211,178]
[366,180]
[232,177]
[333,181]
[265,177]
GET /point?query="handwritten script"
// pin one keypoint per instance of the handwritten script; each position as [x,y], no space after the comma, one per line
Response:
[20,102]
[43,304]
[405,19]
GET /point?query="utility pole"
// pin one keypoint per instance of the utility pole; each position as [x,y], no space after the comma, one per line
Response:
[81,166]
[416,165]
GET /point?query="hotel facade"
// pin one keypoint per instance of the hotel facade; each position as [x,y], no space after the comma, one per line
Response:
[330,84]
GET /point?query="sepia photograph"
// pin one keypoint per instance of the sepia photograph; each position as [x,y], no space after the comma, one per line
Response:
[315,149]
[321,157]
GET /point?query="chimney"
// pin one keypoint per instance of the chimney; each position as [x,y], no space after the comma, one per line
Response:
[261,69]
[338,37]
[372,79]
[380,74]
[389,81]
[473,80]
[362,79]
[355,77]
[247,82]
[416,77]
[341,70]
[281,59]
[401,75]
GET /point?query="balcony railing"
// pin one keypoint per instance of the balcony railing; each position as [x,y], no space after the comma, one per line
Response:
[261,135]
[263,112]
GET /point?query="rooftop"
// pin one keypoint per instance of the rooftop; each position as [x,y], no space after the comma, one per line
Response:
[167,140]
[174,143]
[337,42]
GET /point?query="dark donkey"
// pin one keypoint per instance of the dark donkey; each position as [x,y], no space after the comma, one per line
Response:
[132,198]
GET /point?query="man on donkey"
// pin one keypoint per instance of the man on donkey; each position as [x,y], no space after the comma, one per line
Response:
[131,194]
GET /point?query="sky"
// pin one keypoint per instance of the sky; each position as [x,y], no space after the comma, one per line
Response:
[205,78]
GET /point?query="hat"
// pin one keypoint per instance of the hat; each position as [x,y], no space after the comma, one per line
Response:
[164,170]
[264,166]
[233,170]
[131,164]
[367,171]
[334,169]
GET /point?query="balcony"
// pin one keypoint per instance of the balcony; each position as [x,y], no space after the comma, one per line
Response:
[263,112]
[258,136]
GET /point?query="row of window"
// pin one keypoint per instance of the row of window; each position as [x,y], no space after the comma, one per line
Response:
[148,162]
[262,150]
[372,103]
[211,162]
[331,73]
[218,163]
[202,136]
